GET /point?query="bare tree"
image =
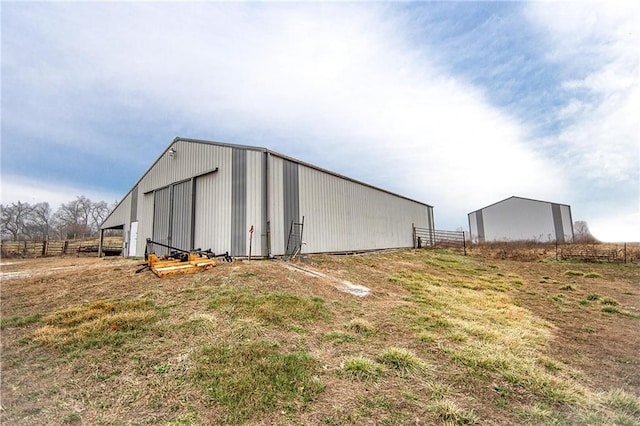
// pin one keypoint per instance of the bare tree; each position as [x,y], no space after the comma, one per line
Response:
[99,212]
[79,218]
[41,220]
[14,219]
[581,233]
[73,218]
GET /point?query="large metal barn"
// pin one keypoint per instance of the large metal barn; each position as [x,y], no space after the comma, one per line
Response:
[237,199]
[522,219]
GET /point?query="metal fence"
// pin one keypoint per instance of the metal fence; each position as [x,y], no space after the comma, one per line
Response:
[598,253]
[426,237]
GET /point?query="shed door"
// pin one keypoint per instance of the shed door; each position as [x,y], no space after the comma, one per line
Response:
[180,230]
[133,239]
[161,211]
[172,212]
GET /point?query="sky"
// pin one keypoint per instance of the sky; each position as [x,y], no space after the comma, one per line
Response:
[454,104]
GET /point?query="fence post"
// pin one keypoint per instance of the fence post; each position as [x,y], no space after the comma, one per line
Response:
[625,253]
[44,248]
[65,246]
[464,243]
[413,233]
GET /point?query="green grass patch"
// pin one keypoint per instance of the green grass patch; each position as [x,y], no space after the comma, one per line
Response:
[592,275]
[426,337]
[277,308]
[96,324]
[623,402]
[593,297]
[614,310]
[609,301]
[567,287]
[574,273]
[451,413]
[403,361]
[249,379]
[15,322]
[361,326]
[361,368]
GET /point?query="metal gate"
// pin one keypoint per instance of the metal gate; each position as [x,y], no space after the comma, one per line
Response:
[294,240]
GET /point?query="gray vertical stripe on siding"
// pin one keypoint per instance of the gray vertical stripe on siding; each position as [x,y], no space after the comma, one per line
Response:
[134,204]
[265,204]
[480,224]
[161,213]
[192,231]
[180,229]
[239,202]
[557,222]
[291,196]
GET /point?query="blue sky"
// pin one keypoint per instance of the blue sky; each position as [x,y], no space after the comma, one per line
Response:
[456,104]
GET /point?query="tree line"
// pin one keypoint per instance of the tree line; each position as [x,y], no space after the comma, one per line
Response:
[79,218]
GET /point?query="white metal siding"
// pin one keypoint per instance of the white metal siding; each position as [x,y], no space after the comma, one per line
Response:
[213,206]
[145,223]
[191,159]
[473,227]
[254,202]
[120,215]
[567,223]
[342,215]
[519,219]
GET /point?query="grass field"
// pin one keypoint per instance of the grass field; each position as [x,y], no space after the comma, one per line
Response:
[440,339]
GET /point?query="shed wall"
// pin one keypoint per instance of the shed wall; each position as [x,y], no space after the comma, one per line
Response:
[521,219]
[120,215]
[342,215]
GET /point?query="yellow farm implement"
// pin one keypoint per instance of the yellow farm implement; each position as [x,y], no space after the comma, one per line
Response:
[179,261]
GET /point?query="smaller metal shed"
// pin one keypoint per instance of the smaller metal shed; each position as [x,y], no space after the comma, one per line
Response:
[522,219]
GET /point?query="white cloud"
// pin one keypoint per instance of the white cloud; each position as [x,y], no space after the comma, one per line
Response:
[597,47]
[337,85]
[601,39]
[623,227]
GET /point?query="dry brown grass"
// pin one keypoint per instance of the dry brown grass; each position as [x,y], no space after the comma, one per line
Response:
[452,339]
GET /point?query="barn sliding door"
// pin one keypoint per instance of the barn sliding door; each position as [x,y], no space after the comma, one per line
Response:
[172,213]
